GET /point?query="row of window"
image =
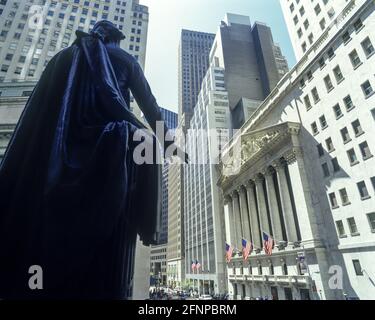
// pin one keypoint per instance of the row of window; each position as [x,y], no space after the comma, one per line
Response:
[362,190]
[352,156]
[352,225]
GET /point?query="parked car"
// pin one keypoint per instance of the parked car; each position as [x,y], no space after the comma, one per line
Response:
[205,297]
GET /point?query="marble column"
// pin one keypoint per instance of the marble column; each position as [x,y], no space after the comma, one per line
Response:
[273,206]
[286,202]
[262,209]
[302,195]
[254,220]
[230,230]
[237,219]
[246,233]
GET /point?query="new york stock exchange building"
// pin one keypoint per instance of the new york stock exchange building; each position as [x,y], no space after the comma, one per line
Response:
[305,176]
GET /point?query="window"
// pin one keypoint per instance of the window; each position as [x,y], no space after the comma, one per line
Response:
[357,268]
[314,128]
[367,89]
[346,37]
[367,47]
[365,150]
[344,197]
[299,33]
[354,58]
[320,150]
[335,165]
[325,170]
[307,102]
[4,68]
[373,182]
[352,226]
[338,74]
[352,157]
[315,95]
[331,53]
[357,128]
[333,200]
[337,111]
[302,11]
[345,135]
[302,83]
[329,145]
[348,103]
[322,24]
[328,83]
[322,63]
[309,75]
[9,57]
[304,47]
[306,24]
[317,9]
[18,70]
[358,25]
[340,229]
[371,220]
[311,38]
[362,189]
[323,122]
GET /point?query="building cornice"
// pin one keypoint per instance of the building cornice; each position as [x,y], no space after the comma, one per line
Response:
[256,145]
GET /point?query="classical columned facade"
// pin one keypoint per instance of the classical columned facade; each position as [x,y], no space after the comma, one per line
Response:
[268,194]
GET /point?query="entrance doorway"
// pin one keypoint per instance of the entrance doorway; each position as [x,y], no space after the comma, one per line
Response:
[305,294]
[288,294]
[274,293]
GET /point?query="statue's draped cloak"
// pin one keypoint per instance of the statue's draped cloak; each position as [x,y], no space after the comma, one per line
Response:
[72,199]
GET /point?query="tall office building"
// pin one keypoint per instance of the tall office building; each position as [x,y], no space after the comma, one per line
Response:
[175,249]
[193,56]
[32,32]
[193,62]
[307,171]
[307,20]
[170,119]
[242,72]
[253,63]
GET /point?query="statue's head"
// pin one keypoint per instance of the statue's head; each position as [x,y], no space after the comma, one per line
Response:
[108,32]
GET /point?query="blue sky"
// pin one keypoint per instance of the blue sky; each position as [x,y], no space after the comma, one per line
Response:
[168,17]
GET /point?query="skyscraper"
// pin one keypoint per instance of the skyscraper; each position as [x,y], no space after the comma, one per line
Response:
[242,72]
[175,249]
[170,118]
[34,31]
[253,63]
[193,56]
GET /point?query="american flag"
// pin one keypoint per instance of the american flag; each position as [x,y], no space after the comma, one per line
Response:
[229,252]
[197,265]
[247,248]
[193,265]
[267,244]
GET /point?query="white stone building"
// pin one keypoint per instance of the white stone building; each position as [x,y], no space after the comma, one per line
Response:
[307,174]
